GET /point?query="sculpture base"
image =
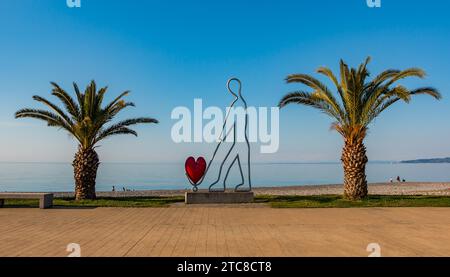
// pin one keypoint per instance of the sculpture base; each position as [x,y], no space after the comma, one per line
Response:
[218,197]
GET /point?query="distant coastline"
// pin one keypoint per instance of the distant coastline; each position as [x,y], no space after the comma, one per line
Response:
[428,161]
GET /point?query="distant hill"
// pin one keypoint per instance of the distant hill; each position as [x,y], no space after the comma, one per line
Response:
[428,161]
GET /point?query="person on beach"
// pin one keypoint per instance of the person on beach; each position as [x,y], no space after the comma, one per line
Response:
[391,180]
[113,188]
[398,179]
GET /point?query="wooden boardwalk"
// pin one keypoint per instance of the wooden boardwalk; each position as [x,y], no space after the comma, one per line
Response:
[225,231]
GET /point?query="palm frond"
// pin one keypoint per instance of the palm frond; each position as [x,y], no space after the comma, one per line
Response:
[68,102]
[433,92]
[80,96]
[119,131]
[86,119]
[361,100]
[55,108]
[50,118]
[308,99]
[116,100]
[320,91]
[384,76]
[410,72]
[122,125]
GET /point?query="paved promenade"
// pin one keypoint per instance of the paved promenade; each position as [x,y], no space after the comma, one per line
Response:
[225,231]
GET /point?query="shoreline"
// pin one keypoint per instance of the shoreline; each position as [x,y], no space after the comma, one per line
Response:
[408,188]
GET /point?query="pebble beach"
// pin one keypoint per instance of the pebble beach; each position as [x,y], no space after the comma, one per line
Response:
[410,188]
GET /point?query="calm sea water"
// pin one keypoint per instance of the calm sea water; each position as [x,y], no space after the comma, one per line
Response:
[58,177]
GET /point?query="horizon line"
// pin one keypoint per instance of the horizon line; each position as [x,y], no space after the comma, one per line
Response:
[175,162]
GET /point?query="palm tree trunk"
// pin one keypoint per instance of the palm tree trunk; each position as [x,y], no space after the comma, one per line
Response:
[85,167]
[354,161]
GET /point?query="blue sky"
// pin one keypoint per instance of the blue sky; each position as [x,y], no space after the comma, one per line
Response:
[170,52]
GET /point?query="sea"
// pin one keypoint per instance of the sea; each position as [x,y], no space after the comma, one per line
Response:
[58,177]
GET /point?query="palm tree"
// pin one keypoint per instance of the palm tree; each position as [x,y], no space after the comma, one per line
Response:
[85,120]
[359,101]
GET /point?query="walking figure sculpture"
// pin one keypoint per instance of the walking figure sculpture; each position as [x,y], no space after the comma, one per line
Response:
[233,154]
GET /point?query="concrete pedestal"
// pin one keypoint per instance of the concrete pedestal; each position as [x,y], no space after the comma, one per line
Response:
[218,197]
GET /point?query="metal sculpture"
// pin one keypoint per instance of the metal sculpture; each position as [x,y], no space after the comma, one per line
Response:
[232,155]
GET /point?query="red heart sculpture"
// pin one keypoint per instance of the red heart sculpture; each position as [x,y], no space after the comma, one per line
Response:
[195,169]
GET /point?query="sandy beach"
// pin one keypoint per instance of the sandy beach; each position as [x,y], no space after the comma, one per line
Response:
[409,188]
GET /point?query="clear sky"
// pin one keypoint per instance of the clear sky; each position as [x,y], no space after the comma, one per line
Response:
[170,52]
